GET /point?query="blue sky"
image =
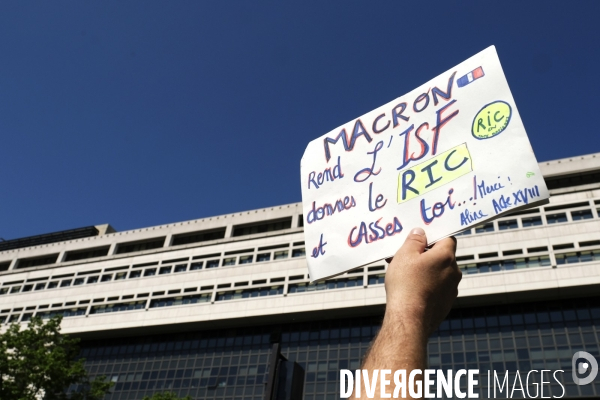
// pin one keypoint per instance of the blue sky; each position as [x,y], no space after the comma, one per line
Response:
[141,113]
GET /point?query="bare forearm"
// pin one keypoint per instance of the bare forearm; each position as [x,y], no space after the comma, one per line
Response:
[399,345]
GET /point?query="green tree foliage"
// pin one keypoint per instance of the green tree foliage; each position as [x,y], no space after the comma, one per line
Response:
[38,362]
[166,396]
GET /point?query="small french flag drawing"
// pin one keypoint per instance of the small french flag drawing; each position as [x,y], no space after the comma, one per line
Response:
[470,77]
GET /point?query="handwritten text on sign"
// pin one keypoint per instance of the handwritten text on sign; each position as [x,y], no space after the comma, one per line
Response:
[451,154]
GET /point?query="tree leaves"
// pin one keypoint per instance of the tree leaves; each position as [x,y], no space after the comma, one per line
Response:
[40,362]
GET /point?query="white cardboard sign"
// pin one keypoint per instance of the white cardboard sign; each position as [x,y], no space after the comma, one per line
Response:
[451,154]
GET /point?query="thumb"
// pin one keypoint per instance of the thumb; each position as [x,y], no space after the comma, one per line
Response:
[415,242]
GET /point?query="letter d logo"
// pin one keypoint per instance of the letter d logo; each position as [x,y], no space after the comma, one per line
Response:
[591,365]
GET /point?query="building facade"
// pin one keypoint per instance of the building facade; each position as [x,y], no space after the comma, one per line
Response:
[194,307]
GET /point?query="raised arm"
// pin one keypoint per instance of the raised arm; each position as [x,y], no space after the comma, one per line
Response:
[420,289]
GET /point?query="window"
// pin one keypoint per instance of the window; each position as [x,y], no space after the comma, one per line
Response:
[196,265]
[263,257]
[52,285]
[116,269]
[95,271]
[573,180]
[181,268]
[280,255]
[563,246]
[582,214]
[589,243]
[120,275]
[376,279]
[489,227]
[508,224]
[512,252]
[231,253]
[531,221]
[150,272]
[15,289]
[141,245]
[40,286]
[205,256]
[176,260]
[200,236]
[27,288]
[463,233]
[78,281]
[229,261]
[87,253]
[488,255]
[92,279]
[106,278]
[246,259]
[537,249]
[4,266]
[135,274]
[164,270]
[212,264]
[556,218]
[262,227]
[65,283]
[298,252]
[37,261]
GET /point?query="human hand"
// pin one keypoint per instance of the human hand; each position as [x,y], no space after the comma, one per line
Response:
[422,285]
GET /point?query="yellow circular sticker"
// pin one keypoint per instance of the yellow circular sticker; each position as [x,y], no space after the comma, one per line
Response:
[491,120]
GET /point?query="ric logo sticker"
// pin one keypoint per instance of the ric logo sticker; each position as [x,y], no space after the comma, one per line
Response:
[491,120]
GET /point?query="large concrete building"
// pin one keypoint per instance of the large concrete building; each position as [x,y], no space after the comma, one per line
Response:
[193,307]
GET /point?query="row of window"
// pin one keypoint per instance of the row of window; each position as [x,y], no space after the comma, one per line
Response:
[529,221]
[330,284]
[530,262]
[181,300]
[187,299]
[190,373]
[506,265]
[529,250]
[247,293]
[154,386]
[120,273]
[577,257]
[154,243]
[278,280]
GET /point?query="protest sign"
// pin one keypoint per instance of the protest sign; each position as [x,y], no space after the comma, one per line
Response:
[451,154]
